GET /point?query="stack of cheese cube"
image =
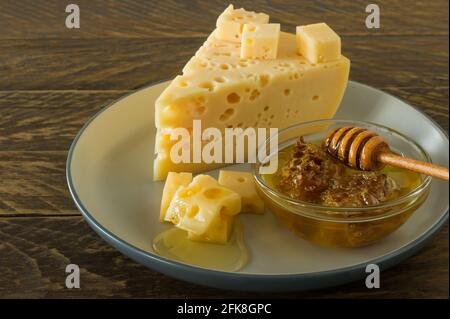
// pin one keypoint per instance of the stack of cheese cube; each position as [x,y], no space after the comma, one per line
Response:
[205,207]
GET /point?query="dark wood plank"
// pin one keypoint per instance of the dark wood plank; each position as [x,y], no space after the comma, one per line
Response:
[34,183]
[35,252]
[124,64]
[398,61]
[38,19]
[109,64]
[41,121]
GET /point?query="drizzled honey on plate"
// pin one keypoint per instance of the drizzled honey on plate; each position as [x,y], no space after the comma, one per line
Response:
[231,256]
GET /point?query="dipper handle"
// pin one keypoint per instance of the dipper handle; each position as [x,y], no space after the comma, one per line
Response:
[365,150]
[414,165]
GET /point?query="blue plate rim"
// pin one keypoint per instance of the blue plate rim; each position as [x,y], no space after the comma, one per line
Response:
[136,253]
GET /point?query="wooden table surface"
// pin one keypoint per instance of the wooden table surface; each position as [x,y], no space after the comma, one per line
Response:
[53,79]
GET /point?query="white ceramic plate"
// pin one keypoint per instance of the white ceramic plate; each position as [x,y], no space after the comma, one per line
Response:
[109,172]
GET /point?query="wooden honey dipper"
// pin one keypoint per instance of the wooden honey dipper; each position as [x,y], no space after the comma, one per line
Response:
[367,151]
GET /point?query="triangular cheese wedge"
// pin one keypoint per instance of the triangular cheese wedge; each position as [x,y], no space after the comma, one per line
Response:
[223,90]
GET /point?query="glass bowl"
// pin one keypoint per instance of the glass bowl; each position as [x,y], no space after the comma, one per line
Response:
[341,226]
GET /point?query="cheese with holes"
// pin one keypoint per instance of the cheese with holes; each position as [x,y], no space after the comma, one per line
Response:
[231,22]
[223,90]
[318,43]
[218,232]
[173,182]
[195,207]
[243,184]
[260,41]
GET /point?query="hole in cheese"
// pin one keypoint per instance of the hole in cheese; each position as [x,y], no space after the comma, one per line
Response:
[186,193]
[264,80]
[254,95]
[222,54]
[219,79]
[229,112]
[212,193]
[266,108]
[224,66]
[193,211]
[287,92]
[241,179]
[183,84]
[207,85]
[200,110]
[233,98]
[226,115]
[315,98]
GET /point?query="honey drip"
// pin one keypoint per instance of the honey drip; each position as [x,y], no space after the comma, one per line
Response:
[175,245]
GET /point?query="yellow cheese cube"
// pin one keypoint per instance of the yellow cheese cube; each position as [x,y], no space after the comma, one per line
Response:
[230,23]
[260,41]
[318,43]
[195,207]
[243,184]
[173,182]
[218,232]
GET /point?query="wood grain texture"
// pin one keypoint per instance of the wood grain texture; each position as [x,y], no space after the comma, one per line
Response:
[35,252]
[52,80]
[33,183]
[40,121]
[39,19]
[126,64]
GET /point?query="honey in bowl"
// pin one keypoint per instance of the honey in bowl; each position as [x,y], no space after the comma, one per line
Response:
[308,173]
[356,217]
